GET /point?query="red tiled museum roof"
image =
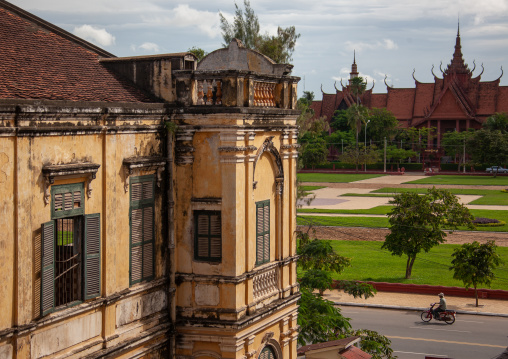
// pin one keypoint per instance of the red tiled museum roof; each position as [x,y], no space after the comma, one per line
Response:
[41,61]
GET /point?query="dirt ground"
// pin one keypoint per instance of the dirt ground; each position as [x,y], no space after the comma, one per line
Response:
[378,234]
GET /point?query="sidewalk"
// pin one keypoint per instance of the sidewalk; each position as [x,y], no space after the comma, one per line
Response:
[408,301]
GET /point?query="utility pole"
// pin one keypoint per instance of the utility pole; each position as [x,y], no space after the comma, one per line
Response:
[365,161]
[385,156]
[464,156]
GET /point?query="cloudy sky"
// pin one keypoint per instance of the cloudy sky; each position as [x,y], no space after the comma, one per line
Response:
[391,37]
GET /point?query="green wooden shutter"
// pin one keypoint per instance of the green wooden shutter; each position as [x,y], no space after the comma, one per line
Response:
[208,236]
[92,257]
[263,232]
[67,200]
[267,353]
[48,268]
[142,235]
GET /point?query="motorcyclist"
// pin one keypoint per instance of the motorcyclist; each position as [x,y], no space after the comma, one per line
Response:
[441,307]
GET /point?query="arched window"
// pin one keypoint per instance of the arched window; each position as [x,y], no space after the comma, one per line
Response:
[267,353]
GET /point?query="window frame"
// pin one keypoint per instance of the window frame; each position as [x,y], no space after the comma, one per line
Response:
[265,252]
[65,188]
[210,237]
[89,245]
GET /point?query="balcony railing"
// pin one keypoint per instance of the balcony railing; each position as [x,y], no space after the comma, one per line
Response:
[266,283]
[209,92]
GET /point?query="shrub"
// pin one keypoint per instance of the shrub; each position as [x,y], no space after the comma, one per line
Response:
[488,222]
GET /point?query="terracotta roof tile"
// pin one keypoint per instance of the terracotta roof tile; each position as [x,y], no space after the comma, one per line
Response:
[354,353]
[37,62]
[400,102]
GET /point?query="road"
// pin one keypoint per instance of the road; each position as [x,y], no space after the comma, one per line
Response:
[470,337]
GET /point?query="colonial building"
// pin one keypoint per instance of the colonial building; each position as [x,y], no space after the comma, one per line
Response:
[458,100]
[147,203]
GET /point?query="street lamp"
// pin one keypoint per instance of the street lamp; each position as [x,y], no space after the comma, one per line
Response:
[365,162]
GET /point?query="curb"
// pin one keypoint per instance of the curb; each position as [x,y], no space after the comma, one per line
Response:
[416,309]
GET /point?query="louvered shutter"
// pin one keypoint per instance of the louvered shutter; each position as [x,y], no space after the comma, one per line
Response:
[266,232]
[142,243]
[48,268]
[267,353]
[202,249]
[148,252]
[259,234]
[92,257]
[215,237]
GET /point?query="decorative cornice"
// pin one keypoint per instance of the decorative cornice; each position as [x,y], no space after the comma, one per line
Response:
[85,169]
[143,163]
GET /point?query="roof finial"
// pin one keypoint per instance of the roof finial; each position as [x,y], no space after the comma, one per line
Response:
[458,25]
[354,56]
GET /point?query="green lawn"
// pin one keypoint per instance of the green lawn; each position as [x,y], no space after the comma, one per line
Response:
[334,177]
[371,263]
[464,180]
[382,222]
[375,210]
[489,197]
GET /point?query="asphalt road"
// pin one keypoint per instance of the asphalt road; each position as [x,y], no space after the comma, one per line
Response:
[470,337]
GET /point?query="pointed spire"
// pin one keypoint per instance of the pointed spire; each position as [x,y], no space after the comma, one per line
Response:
[354,68]
[457,65]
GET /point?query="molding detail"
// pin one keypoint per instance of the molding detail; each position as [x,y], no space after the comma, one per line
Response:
[148,163]
[237,148]
[269,147]
[86,169]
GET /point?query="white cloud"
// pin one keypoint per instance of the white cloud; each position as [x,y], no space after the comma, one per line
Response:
[184,16]
[386,44]
[93,34]
[150,47]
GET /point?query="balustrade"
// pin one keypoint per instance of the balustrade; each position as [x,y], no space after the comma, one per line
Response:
[264,94]
[209,92]
[266,283]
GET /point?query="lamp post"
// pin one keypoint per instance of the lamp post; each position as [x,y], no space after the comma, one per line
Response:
[365,161]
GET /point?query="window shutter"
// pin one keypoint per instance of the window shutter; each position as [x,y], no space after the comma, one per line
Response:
[48,268]
[92,258]
[136,245]
[215,234]
[142,243]
[148,252]
[259,234]
[202,249]
[266,231]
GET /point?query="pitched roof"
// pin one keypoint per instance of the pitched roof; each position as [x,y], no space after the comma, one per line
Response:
[41,61]
[341,343]
[354,353]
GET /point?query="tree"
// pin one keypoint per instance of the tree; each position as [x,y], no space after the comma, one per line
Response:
[454,144]
[488,147]
[357,87]
[383,124]
[474,264]
[417,222]
[314,153]
[340,121]
[357,156]
[356,115]
[318,318]
[395,154]
[245,27]
[497,122]
[198,52]
[339,139]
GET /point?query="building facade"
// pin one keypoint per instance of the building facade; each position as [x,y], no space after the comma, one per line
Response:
[148,203]
[458,100]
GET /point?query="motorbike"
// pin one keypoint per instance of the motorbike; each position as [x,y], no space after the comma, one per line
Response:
[448,316]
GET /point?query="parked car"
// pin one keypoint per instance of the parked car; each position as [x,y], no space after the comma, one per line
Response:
[499,169]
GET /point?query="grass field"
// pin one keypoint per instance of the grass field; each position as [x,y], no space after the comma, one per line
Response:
[374,210]
[371,263]
[382,222]
[334,177]
[464,180]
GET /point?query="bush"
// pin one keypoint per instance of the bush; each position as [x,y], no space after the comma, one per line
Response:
[488,222]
